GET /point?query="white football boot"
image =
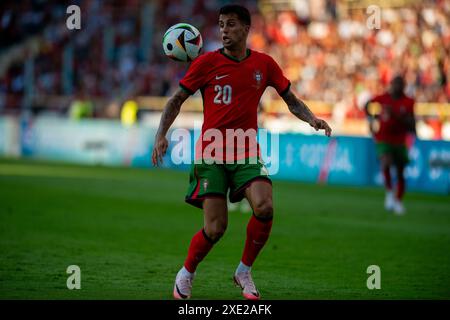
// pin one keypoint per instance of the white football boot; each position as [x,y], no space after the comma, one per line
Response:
[389,201]
[399,209]
[183,285]
[245,281]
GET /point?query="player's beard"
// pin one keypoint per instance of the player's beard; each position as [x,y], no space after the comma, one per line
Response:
[228,44]
[234,44]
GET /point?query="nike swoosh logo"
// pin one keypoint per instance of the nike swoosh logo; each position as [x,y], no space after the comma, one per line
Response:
[220,77]
[179,292]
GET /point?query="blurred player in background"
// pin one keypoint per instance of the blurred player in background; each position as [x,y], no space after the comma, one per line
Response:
[396,121]
[232,80]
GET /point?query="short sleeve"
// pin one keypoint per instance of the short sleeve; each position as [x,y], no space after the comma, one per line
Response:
[195,77]
[276,77]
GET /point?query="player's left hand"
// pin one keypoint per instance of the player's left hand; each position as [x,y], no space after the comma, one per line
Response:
[320,124]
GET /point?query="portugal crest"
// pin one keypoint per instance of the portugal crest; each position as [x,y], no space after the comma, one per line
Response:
[258,76]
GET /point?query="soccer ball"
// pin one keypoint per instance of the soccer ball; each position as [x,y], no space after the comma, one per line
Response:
[182,42]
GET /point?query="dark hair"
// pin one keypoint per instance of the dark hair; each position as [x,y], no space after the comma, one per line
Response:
[242,12]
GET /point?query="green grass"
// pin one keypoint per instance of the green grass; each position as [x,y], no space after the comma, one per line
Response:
[129,229]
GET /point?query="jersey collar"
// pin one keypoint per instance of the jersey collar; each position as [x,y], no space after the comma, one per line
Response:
[222,51]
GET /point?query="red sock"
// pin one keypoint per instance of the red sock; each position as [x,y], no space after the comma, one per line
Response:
[257,234]
[400,188]
[387,178]
[198,249]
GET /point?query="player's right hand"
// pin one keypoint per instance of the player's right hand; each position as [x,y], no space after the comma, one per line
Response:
[159,150]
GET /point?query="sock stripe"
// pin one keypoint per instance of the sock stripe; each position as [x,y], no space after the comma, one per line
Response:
[263,219]
[207,238]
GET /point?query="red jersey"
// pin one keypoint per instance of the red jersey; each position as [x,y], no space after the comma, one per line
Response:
[231,89]
[392,129]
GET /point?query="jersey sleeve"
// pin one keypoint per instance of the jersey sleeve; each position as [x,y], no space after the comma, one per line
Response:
[195,77]
[376,99]
[276,78]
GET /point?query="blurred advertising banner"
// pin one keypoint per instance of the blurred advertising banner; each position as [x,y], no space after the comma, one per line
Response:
[287,156]
[88,141]
[336,160]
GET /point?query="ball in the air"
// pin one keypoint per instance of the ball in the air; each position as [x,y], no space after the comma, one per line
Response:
[182,42]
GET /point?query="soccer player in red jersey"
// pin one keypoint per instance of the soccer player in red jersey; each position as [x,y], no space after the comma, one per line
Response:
[231,80]
[396,121]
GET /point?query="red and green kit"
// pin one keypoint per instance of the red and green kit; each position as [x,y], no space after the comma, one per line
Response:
[231,90]
[391,136]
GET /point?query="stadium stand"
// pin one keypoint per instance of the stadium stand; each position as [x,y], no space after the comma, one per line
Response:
[325,48]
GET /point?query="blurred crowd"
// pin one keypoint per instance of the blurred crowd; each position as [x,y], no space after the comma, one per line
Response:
[328,54]
[341,60]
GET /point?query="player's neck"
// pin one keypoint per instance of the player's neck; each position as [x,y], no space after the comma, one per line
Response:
[396,95]
[238,54]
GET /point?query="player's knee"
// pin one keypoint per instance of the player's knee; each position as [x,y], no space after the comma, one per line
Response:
[216,231]
[264,209]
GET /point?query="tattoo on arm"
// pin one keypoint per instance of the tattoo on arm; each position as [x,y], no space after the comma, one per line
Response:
[298,107]
[171,111]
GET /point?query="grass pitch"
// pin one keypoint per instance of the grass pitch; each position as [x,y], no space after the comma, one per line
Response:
[129,230]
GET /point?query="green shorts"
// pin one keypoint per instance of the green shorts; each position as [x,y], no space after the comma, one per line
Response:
[399,153]
[214,180]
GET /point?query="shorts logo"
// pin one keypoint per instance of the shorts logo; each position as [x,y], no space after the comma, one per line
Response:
[205,184]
